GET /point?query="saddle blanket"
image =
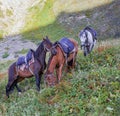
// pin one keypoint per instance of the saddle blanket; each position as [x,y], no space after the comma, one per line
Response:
[24,66]
[92,31]
[66,45]
[24,59]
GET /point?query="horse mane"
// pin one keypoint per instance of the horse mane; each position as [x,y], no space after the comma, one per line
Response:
[39,50]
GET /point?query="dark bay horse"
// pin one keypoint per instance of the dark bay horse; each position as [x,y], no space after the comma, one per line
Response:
[35,68]
[58,60]
[88,38]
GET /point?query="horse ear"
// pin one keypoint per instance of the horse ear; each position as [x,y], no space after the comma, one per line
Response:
[43,38]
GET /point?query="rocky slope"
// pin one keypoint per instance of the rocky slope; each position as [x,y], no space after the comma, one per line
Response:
[12,21]
[72,16]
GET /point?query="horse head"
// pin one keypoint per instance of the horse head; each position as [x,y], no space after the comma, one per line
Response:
[53,49]
[88,40]
[47,44]
[50,79]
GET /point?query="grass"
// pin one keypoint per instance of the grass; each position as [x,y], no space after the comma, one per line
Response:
[23,51]
[5,55]
[92,89]
[47,20]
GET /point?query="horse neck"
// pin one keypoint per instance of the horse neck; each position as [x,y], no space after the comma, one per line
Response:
[40,53]
[54,60]
[51,64]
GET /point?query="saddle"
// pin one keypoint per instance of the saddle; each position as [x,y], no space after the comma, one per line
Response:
[66,45]
[24,61]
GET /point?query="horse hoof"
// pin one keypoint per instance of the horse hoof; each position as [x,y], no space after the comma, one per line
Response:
[20,91]
[6,97]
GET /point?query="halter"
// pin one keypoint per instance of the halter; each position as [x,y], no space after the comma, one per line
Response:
[47,49]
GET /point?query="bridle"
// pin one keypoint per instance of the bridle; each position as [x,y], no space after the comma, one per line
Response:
[46,48]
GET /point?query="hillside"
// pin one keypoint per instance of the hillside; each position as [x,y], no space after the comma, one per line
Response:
[36,18]
[12,16]
[93,87]
[57,19]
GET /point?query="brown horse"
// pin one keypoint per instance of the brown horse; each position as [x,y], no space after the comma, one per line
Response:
[36,67]
[57,61]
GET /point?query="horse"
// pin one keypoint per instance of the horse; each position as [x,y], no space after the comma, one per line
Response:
[88,38]
[36,67]
[58,59]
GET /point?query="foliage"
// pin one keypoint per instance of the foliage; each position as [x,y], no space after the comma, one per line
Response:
[23,51]
[5,55]
[91,89]
[57,20]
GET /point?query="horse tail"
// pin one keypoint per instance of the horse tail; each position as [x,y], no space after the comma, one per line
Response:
[11,76]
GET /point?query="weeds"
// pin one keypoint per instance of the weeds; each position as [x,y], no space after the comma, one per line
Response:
[5,55]
[91,89]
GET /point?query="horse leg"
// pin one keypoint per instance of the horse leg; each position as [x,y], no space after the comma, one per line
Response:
[71,64]
[18,89]
[60,72]
[38,79]
[57,73]
[9,89]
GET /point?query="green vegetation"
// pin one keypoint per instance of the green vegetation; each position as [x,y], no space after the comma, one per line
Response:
[92,89]
[57,20]
[5,55]
[23,51]
[1,34]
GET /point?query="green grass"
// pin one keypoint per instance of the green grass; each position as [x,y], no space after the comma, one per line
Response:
[92,89]
[5,55]
[47,20]
[54,32]
[23,51]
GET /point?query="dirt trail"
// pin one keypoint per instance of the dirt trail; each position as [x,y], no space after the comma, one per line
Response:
[13,46]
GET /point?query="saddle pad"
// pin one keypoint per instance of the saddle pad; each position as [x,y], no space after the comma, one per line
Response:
[24,66]
[92,31]
[66,45]
[24,59]
[29,55]
[20,61]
